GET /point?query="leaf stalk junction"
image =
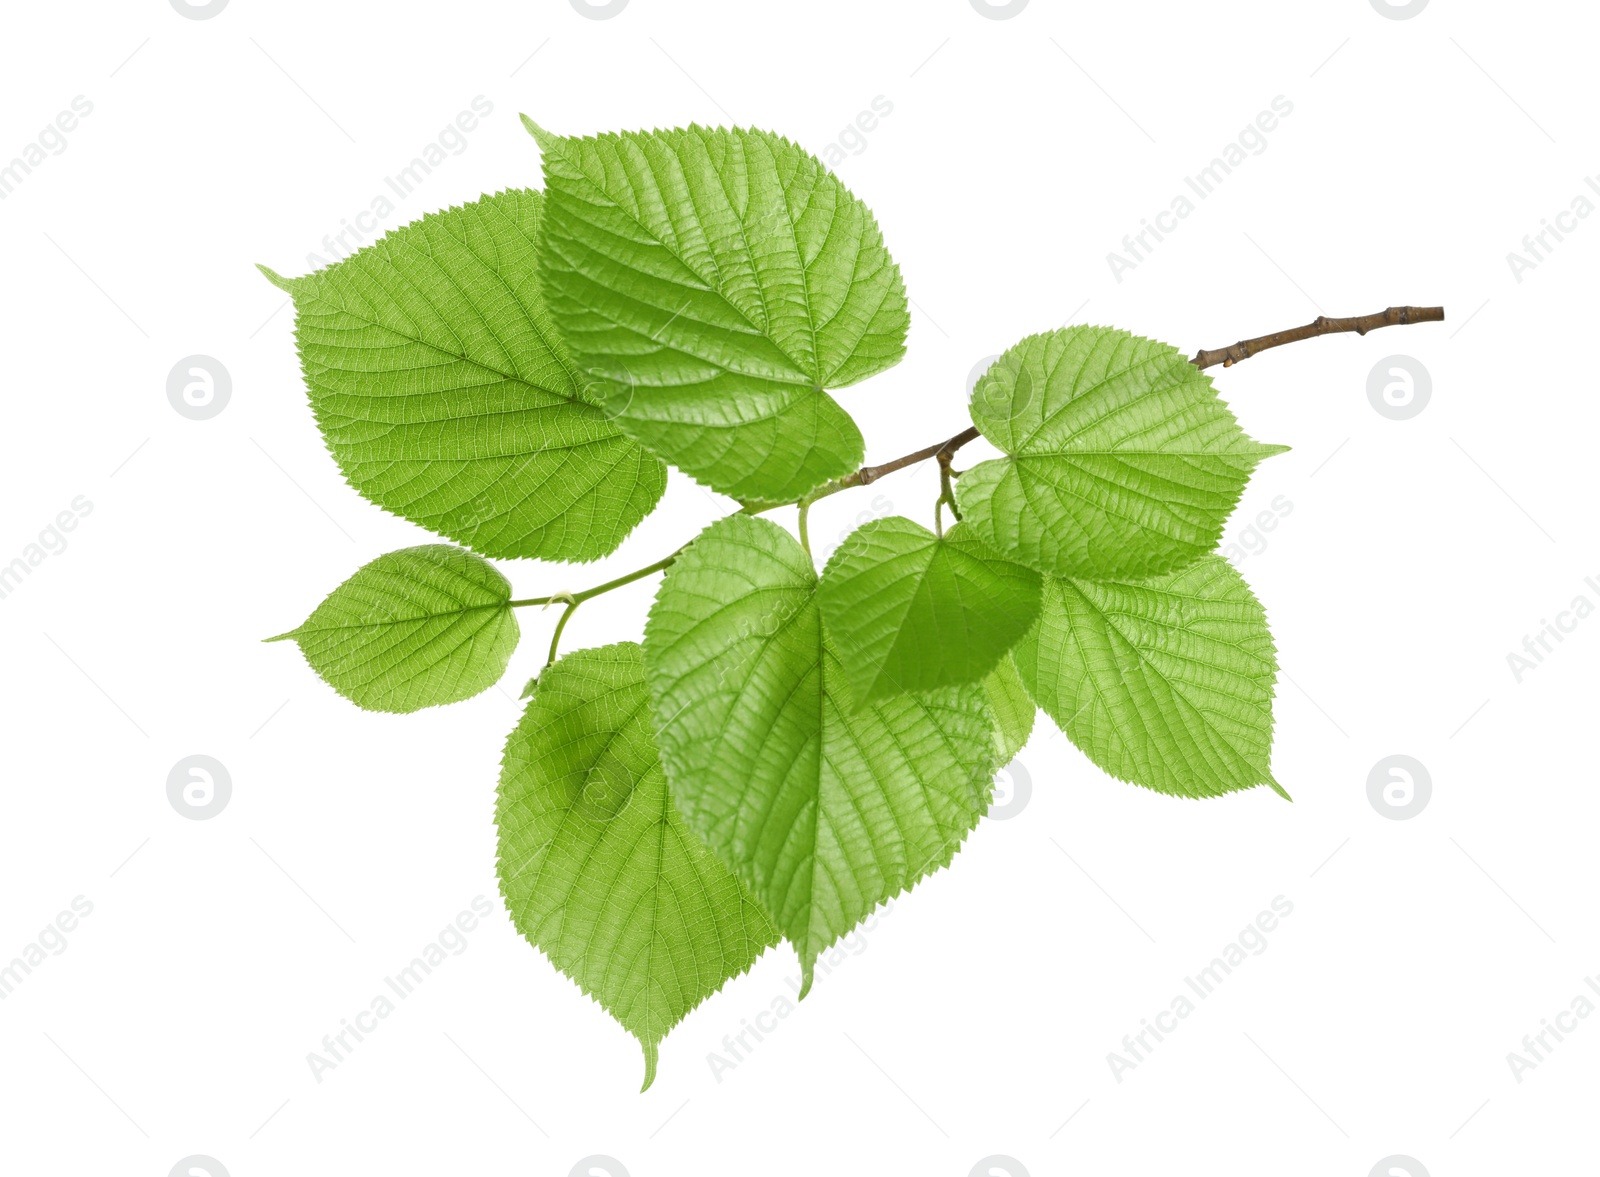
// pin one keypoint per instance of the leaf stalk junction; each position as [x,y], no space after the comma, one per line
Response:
[944,451]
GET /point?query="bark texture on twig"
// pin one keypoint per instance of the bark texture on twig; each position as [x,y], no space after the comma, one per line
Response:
[1226,356]
[1321,325]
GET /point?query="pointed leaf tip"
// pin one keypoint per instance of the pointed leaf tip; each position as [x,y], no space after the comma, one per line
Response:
[395,409]
[620,875]
[737,619]
[276,278]
[414,628]
[541,136]
[1122,463]
[1198,683]
[1280,790]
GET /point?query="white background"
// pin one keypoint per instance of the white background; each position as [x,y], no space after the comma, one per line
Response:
[978,1015]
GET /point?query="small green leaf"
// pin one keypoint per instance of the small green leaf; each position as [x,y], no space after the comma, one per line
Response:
[445,395]
[717,282]
[910,611]
[823,810]
[1123,461]
[1166,683]
[1013,708]
[414,628]
[598,869]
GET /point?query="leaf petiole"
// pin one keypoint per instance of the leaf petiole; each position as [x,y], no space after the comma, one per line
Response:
[555,638]
[573,600]
[944,451]
[947,492]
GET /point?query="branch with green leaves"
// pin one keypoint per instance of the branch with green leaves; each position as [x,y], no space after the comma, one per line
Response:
[785,749]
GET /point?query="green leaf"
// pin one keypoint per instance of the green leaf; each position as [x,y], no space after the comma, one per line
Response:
[1013,709]
[1123,461]
[597,867]
[910,611]
[445,395]
[823,810]
[1166,683]
[414,628]
[716,282]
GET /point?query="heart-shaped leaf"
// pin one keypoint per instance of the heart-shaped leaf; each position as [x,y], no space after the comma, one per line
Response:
[716,282]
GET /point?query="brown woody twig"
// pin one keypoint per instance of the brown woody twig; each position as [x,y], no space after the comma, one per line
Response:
[1321,325]
[1226,356]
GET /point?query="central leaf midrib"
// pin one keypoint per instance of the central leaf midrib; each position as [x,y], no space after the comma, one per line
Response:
[321,629]
[368,320]
[714,285]
[1077,395]
[1177,692]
